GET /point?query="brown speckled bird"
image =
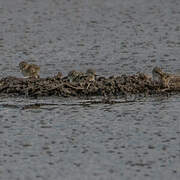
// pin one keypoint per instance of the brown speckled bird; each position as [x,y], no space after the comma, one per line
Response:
[72,75]
[59,75]
[157,74]
[161,77]
[29,70]
[75,76]
[91,75]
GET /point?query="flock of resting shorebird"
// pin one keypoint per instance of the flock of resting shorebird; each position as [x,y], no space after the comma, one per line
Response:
[32,71]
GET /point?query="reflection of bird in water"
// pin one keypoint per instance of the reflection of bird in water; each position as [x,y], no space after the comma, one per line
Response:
[29,70]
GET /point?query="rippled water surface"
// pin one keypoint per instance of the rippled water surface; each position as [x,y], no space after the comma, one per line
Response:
[70,138]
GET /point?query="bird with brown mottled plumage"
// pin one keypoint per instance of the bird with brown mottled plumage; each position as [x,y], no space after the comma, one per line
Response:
[73,75]
[165,79]
[91,75]
[29,70]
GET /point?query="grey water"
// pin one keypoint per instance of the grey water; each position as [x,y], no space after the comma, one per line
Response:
[70,138]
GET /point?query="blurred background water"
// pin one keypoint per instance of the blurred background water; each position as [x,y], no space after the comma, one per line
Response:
[68,139]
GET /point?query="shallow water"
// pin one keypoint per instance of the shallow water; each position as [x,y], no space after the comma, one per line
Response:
[72,140]
[69,138]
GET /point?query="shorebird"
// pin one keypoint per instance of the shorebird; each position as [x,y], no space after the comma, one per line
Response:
[165,79]
[91,75]
[74,75]
[157,74]
[59,75]
[29,70]
[175,82]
